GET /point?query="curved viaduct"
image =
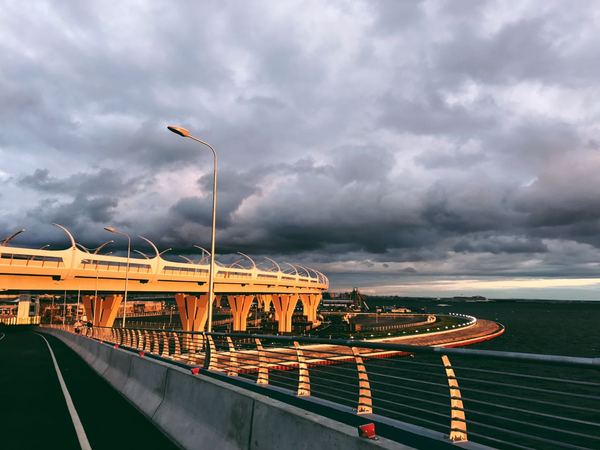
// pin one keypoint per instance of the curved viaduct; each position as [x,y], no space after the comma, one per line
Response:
[27,269]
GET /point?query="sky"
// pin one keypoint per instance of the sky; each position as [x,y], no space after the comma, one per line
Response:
[404,147]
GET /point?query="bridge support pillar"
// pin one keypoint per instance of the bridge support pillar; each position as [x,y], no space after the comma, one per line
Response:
[102,311]
[265,302]
[217,302]
[240,306]
[309,305]
[284,305]
[193,311]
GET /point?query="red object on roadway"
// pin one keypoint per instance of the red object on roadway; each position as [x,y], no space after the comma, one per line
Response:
[195,370]
[116,345]
[367,431]
[142,353]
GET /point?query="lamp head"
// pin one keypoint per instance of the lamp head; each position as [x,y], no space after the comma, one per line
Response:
[111,229]
[179,130]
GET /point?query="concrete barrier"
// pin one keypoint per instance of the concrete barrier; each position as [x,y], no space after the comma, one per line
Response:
[210,417]
[307,431]
[101,363]
[199,412]
[145,386]
[117,372]
[88,349]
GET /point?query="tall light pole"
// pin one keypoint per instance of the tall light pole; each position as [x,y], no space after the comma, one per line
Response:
[211,274]
[65,308]
[116,231]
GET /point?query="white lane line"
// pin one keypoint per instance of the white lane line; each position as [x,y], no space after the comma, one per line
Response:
[2,337]
[81,436]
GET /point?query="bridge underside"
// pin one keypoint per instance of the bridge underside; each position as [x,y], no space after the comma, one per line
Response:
[193,310]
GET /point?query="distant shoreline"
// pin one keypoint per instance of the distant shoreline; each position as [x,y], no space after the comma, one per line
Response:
[393,298]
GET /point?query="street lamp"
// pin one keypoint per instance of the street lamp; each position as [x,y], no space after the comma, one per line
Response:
[211,274]
[95,250]
[7,239]
[188,260]
[203,252]
[141,253]
[116,231]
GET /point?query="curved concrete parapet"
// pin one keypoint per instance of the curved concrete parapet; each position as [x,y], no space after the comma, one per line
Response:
[146,383]
[201,412]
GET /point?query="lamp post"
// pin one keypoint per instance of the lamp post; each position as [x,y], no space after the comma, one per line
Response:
[116,231]
[7,239]
[211,274]
[65,309]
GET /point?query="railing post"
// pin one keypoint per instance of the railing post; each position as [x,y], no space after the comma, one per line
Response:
[365,403]
[211,353]
[134,338]
[198,342]
[128,337]
[177,348]
[233,369]
[263,370]
[458,423]
[154,345]
[164,352]
[303,374]
[146,341]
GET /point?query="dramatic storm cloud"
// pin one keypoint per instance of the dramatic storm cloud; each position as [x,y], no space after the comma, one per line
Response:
[393,144]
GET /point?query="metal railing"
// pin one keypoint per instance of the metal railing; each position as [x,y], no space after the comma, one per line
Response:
[500,399]
[14,320]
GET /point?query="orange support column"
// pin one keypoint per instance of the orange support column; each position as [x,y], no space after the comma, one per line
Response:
[193,311]
[88,301]
[284,305]
[266,302]
[240,306]
[102,311]
[315,304]
[310,302]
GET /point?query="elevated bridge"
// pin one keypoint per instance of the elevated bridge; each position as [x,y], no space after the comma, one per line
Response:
[42,270]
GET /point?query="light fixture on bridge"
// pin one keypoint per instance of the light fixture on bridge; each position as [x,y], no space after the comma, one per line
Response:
[211,274]
[179,130]
[7,239]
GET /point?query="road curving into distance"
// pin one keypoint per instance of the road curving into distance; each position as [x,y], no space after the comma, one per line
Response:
[34,413]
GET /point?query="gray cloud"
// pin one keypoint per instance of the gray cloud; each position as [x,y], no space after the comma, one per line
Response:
[376,140]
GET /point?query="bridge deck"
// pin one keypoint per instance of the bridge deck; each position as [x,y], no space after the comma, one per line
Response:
[33,410]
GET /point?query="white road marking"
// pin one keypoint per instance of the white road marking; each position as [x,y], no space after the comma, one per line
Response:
[2,337]
[81,436]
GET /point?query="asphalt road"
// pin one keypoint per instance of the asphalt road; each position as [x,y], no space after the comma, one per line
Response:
[33,409]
